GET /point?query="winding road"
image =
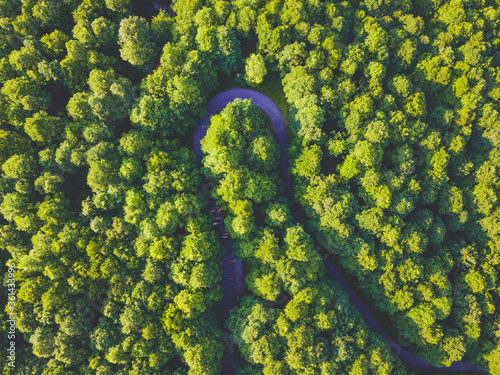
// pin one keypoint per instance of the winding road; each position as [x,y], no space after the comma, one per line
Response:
[232,277]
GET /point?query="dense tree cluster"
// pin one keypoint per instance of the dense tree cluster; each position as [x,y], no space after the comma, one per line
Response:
[318,332]
[394,118]
[394,112]
[318,328]
[118,266]
[242,156]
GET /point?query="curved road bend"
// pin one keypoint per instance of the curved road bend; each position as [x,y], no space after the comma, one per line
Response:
[232,279]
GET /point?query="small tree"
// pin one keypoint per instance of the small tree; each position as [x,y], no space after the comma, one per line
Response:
[255,69]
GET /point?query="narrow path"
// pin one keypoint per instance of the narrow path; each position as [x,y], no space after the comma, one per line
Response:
[232,282]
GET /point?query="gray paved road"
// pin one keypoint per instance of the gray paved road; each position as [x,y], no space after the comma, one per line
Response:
[232,282]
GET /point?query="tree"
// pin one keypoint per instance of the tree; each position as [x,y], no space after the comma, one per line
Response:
[268,250]
[205,353]
[185,99]
[51,71]
[134,36]
[120,8]
[202,67]
[88,10]
[105,32]
[206,39]
[101,174]
[401,85]
[265,153]
[298,84]
[112,96]
[161,28]
[75,66]
[154,115]
[375,73]
[20,167]
[26,58]
[131,169]
[43,128]
[135,144]
[84,34]
[255,70]
[191,303]
[53,44]
[278,215]
[199,245]
[11,143]
[15,206]
[264,282]
[309,118]
[224,149]
[134,208]
[246,20]
[54,210]
[43,341]
[228,50]
[493,358]
[298,246]
[293,55]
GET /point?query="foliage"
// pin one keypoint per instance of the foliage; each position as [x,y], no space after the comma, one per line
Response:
[393,117]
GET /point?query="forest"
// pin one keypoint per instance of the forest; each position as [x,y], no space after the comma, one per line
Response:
[392,112]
